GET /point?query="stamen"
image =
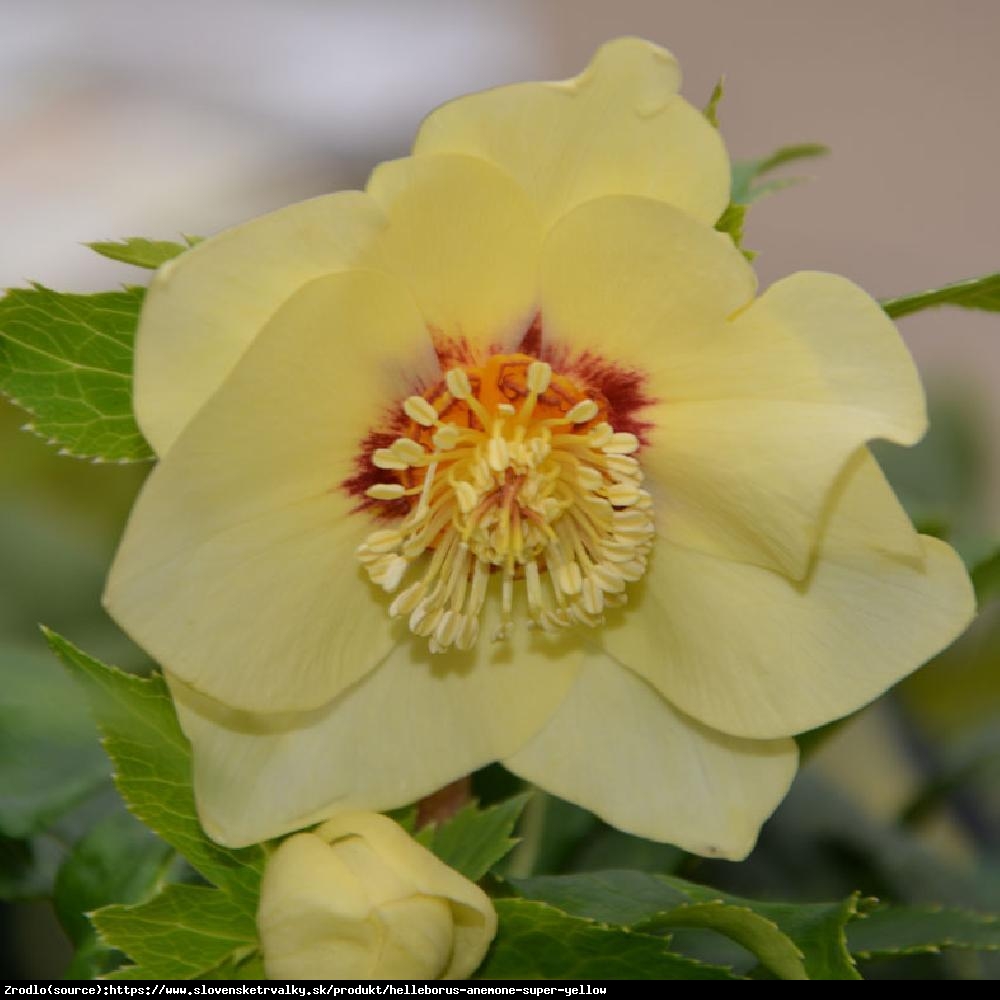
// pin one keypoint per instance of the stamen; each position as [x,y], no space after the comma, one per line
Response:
[458,383]
[583,411]
[539,377]
[386,491]
[503,497]
[420,411]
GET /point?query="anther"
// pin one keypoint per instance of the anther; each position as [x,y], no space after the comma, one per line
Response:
[539,375]
[407,450]
[458,383]
[583,411]
[383,458]
[385,491]
[420,411]
[621,444]
[446,437]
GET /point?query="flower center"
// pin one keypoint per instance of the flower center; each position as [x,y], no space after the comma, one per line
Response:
[509,469]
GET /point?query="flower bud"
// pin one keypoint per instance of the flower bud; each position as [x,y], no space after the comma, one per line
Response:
[360,899]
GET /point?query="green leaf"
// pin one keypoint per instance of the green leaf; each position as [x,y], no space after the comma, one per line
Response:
[67,360]
[475,839]
[912,930]
[986,577]
[152,762]
[612,897]
[131,973]
[731,223]
[49,755]
[760,936]
[818,929]
[746,173]
[118,861]
[974,293]
[649,903]
[184,932]
[537,941]
[711,111]
[139,251]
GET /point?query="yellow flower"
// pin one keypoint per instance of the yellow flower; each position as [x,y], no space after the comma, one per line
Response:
[358,899]
[502,459]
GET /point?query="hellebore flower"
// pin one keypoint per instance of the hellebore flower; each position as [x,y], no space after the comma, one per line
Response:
[502,459]
[359,899]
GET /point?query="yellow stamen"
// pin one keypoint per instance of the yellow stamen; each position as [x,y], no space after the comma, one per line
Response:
[523,495]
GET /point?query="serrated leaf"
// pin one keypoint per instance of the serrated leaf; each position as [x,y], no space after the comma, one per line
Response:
[650,904]
[245,968]
[911,930]
[475,839]
[139,251]
[711,111]
[130,973]
[611,897]
[118,861]
[67,360]
[537,941]
[152,762]
[760,936]
[49,755]
[746,173]
[818,929]
[184,932]
[973,293]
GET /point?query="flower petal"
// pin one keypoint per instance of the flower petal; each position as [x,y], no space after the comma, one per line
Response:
[620,127]
[411,726]
[465,238]
[751,653]
[749,480]
[756,410]
[204,308]
[616,747]
[638,282]
[474,920]
[237,570]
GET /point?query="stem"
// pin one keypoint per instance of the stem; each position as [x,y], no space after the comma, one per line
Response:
[444,803]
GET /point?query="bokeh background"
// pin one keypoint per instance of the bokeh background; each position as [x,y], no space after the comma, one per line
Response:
[129,117]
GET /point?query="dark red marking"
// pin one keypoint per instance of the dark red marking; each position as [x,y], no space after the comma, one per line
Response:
[622,388]
[367,474]
[531,342]
[452,352]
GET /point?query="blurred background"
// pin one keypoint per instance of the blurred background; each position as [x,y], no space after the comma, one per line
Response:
[127,117]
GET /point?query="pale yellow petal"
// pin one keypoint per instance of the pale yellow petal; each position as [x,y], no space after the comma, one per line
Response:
[204,308]
[638,283]
[314,914]
[749,479]
[414,724]
[755,410]
[465,239]
[747,651]
[237,570]
[757,422]
[474,919]
[620,127]
[810,338]
[616,747]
